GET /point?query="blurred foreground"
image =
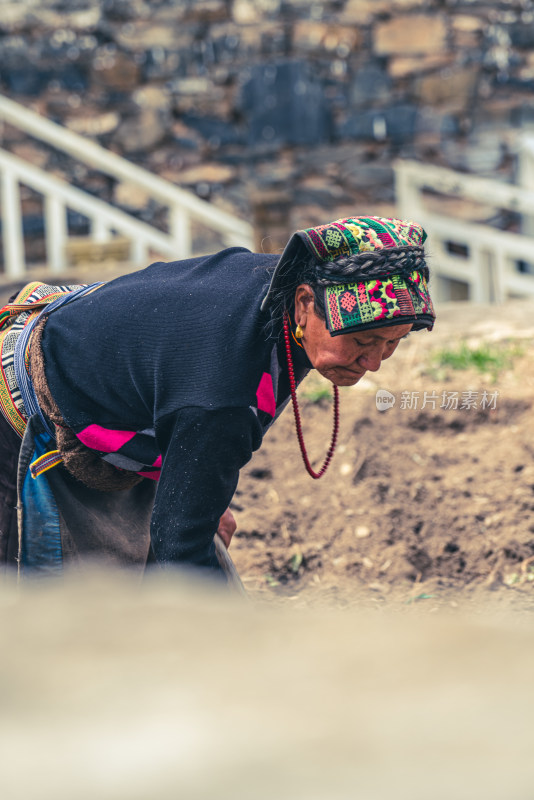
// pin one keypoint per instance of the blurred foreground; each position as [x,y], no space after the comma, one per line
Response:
[169,689]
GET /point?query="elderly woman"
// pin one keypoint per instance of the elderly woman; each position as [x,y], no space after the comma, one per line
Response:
[146,395]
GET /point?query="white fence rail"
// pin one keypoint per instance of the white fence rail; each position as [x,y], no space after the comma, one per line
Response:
[482,258]
[106,220]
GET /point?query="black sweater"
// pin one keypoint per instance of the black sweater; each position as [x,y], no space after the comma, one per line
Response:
[181,356]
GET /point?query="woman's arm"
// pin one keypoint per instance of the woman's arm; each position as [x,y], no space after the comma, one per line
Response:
[203,452]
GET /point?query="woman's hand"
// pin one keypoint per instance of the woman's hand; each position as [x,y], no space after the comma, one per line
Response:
[227,527]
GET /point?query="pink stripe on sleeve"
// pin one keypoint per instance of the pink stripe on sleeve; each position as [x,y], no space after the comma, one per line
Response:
[105,439]
[154,476]
[265,395]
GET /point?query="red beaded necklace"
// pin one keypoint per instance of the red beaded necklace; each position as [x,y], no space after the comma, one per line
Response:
[292,385]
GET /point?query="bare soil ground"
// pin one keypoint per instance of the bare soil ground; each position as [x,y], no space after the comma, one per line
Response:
[428,503]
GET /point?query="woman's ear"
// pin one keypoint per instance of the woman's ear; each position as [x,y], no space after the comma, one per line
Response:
[304,303]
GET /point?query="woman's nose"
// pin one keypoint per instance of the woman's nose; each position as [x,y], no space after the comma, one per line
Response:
[372,359]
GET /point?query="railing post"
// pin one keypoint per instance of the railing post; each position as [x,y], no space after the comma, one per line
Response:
[498,275]
[14,257]
[526,180]
[139,253]
[56,233]
[408,193]
[99,230]
[479,277]
[180,230]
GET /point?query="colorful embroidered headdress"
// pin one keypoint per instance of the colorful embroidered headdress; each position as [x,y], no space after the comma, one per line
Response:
[386,274]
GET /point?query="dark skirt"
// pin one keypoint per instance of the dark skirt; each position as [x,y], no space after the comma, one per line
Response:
[54,519]
[9,457]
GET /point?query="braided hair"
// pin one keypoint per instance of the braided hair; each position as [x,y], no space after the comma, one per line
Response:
[345,269]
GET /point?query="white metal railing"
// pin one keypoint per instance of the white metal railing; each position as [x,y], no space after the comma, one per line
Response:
[105,219]
[479,256]
[526,177]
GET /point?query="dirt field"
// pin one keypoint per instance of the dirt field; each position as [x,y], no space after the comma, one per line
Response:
[427,504]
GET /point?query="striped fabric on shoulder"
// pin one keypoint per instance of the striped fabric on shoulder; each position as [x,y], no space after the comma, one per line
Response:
[14,317]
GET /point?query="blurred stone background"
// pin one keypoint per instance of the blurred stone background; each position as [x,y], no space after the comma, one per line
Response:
[285,112]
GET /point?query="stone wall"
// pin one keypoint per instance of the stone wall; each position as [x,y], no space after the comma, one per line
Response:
[275,104]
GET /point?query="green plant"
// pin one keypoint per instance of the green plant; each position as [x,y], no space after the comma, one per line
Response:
[485,358]
[316,389]
[318,395]
[296,561]
[422,596]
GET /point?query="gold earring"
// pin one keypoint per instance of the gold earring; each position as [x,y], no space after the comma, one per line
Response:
[299,333]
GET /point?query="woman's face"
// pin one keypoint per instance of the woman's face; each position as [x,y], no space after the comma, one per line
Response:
[343,359]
